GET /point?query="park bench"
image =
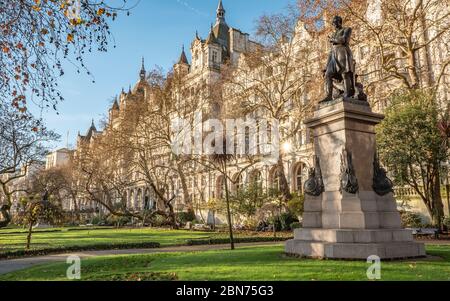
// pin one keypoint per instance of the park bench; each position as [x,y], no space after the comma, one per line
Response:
[428,232]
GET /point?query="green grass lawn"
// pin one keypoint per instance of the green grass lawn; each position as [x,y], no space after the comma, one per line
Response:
[90,237]
[10,240]
[249,263]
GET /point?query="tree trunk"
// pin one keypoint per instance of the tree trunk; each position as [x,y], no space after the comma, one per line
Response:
[172,217]
[412,70]
[426,38]
[6,216]
[274,225]
[76,208]
[284,186]
[5,210]
[437,204]
[30,232]
[227,198]
[186,195]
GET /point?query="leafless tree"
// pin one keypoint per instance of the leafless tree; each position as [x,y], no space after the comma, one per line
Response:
[23,142]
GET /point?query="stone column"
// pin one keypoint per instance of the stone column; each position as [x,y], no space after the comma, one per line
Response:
[349,220]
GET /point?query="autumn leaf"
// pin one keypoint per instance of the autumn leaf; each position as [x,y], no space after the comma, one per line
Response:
[70,38]
[100,11]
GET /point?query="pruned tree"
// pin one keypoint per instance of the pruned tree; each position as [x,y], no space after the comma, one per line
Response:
[39,36]
[23,142]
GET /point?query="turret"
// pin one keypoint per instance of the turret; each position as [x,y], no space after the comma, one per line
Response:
[182,67]
[114,111]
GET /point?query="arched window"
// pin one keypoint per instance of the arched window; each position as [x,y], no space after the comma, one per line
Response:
[256,181]
[138,199]
[247,141]
[274,180]
[299,177]
[220,187]
[147,205]
[238,182]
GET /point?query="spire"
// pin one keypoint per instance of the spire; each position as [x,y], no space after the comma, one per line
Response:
[115,105]
[91,131]
[220,12]
[142,73]
[183,59]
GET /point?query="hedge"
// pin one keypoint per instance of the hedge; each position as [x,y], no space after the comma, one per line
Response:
[219,241]
[68,249]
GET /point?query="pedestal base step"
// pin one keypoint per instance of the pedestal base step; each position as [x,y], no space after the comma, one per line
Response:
[353,235]
[357,251]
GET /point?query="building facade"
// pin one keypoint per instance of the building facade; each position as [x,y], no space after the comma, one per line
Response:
[227,45]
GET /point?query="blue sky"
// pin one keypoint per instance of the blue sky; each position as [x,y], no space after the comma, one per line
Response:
[156,29]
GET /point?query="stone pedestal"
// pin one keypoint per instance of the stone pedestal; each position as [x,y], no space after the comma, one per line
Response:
[345,225]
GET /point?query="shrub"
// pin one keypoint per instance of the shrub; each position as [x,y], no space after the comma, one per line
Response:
[97,220]
[159,221]
[446,222]
[251,223]
[119,221]
[296,225]
[411,219]
[283,221]
[296,204]
[185,217]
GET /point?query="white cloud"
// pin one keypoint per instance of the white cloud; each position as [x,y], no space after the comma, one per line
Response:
[195,10]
